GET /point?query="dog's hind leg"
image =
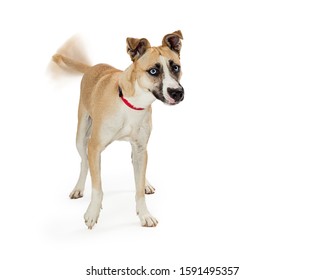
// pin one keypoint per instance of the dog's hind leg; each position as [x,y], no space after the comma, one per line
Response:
[83,132]
[149,188]
[95,147]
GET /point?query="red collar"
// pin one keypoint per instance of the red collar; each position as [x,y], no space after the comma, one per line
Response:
[127,103]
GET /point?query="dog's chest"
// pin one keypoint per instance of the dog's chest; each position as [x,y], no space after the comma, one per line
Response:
[128,132]
[134,126]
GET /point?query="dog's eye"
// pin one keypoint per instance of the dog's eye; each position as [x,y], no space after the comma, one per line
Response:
[176,68]
[153,72]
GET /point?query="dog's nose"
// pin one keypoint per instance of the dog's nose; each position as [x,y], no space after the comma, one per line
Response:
[176,93]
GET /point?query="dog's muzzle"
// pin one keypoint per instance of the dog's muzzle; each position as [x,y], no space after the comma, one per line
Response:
[176,94]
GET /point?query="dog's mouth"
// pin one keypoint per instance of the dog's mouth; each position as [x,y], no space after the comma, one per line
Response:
[168,99]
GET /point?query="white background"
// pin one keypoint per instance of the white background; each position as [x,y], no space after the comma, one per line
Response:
[238,166]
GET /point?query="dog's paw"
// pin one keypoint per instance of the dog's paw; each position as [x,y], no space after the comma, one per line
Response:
[147,220]
[149,188]
[91,216]
[76,193]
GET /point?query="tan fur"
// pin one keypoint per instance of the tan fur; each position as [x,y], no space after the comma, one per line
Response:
[70,63]
[104,118]
[70,57]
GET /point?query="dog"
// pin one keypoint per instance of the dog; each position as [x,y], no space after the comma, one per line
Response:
[116,105]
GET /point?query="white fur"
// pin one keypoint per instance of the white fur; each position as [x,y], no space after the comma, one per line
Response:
[92,213]
[82,137]
[142,98]
[169,81]
[145,217]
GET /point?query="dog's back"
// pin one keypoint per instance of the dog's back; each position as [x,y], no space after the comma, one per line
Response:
[72,59]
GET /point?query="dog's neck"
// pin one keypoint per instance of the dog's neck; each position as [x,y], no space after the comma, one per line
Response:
[133,95]
[126,102]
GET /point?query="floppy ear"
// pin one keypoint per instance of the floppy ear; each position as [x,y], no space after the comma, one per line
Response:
[136,47]
[173,41]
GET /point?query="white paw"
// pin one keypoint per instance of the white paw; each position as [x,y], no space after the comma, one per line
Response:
[147,220]
[92,213]
[149,188]
[91,216]
[76,193]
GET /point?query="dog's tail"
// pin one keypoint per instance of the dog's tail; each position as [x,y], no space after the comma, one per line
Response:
[70,64]
[70,57]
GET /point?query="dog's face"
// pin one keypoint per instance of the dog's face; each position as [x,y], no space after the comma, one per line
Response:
[157,70]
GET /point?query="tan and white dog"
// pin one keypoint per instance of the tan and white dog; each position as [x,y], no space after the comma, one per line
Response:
[116,105]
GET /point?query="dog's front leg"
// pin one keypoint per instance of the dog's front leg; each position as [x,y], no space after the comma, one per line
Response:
[139,160]
[92,213]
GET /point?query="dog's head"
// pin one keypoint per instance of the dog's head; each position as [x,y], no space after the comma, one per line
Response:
[157,70]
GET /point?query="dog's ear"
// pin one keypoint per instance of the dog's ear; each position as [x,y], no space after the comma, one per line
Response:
[136,47]
[173,41]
